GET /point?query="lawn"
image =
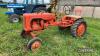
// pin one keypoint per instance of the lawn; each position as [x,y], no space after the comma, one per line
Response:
[54,43]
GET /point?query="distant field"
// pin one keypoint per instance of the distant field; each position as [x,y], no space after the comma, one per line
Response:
[54,43]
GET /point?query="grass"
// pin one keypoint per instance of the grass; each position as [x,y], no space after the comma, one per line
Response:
[54,43]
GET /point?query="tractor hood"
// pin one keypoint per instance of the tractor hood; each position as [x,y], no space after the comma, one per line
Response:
[44,16]
[15,6]
[3,5]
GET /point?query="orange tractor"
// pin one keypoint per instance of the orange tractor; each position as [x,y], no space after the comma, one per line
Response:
[37,22]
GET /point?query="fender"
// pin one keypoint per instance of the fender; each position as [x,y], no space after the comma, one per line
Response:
[74,17]
[9,13]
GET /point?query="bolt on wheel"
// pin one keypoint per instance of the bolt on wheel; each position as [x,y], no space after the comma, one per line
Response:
[34,44]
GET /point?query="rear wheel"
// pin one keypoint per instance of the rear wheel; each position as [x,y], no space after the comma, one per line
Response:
[14,18]
[34,44]
[78,29]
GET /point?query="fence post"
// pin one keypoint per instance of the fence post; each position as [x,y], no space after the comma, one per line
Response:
[93,12]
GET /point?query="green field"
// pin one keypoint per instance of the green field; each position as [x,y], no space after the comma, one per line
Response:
[54,43]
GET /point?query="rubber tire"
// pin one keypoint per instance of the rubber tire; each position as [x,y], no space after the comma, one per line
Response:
[11,17]
[74,27]
[39,9]
[32,41]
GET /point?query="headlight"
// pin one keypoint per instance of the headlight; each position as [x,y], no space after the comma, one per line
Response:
[10,9]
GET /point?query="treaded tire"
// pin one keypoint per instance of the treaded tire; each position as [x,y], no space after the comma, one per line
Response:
[29,45]
[75,26]
[14,18]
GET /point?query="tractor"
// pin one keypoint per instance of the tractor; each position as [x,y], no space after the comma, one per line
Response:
[28,6]
[35,23]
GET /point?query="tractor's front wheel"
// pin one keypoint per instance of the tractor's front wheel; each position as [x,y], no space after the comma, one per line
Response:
[78,29]
[35,43]
[14,18]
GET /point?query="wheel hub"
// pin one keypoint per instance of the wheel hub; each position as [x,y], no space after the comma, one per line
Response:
[15,19]
[81,29]
[36,44]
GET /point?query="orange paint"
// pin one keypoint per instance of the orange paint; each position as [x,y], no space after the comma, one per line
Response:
[81,29]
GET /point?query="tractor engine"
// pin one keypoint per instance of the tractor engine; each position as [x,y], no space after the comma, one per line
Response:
[38,21]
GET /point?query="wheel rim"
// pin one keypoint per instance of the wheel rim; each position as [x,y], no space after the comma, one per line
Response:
[35,45]
[81,29]
[15,19]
